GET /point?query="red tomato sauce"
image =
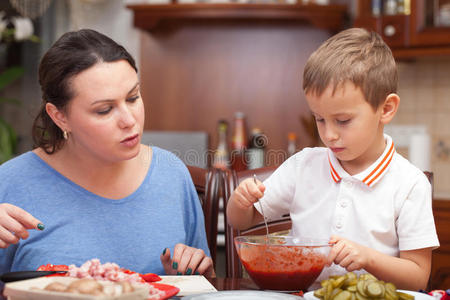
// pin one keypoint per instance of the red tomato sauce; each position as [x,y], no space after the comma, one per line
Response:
[282,268]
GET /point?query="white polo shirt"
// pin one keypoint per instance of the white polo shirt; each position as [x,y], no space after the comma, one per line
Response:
[387,207]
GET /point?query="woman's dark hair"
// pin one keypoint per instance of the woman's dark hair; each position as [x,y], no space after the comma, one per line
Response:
[70,55]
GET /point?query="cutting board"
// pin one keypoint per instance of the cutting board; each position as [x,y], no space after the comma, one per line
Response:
[189,284]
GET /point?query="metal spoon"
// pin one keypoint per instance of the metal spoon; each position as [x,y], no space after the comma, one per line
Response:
[262,212]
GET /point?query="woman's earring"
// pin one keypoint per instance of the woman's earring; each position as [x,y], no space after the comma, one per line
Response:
[65,135]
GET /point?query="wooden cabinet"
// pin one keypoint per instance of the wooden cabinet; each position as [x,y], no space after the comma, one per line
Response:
[440,271]
[203,62]
[330,17]
[415,32]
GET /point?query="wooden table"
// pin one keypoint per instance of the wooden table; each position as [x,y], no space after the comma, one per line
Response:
[225,284]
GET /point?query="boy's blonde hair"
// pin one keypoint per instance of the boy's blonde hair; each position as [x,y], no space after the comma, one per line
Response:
[356,55]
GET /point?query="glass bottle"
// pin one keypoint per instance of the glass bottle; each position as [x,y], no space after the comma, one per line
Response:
[390,7]
[376,7]
[292,141]
[401,7]
[256,150]
[239,143]
[221,155]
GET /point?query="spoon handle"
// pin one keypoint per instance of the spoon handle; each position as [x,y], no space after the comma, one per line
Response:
[262,211]
[22,275]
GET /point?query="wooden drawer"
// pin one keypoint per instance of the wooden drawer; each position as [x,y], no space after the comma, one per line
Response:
[440,270]
[394,30]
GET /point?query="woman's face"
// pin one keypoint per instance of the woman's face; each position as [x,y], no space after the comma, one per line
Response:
[105,118]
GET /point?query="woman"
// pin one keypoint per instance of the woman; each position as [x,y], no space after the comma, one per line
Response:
[98,190]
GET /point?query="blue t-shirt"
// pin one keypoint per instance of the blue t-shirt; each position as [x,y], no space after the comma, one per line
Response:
[80,225]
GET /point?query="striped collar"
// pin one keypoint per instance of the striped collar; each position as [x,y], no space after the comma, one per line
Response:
[371,175]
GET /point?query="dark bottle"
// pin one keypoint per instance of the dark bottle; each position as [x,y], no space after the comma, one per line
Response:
[221,155]
[256,150]
[239,143]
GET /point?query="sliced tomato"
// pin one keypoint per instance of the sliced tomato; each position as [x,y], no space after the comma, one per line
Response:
[150,277]
[51,267]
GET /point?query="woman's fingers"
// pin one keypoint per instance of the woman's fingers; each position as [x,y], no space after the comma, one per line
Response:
[196,258]
[15,227]
[177,255]
[199,263]
[206,267]
[14,223]
[166,261]
[183,266]
[7,238]
[187,261]
[22,216]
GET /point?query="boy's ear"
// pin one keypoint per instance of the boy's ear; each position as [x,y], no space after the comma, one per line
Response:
[57,116]
[389,108]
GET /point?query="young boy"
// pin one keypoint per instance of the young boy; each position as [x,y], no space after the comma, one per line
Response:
[370,202]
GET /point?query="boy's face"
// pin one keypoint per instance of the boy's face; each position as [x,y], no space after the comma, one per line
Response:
[348,125]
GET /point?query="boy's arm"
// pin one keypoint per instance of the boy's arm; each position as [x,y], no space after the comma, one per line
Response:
[241,213]
[410,271]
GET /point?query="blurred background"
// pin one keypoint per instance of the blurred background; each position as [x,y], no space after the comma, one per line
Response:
[202,62]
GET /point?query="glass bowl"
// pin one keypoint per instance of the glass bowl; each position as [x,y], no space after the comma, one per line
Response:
[283,263]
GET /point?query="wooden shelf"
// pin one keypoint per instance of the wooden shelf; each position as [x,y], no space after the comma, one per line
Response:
[413,53]
[329,17]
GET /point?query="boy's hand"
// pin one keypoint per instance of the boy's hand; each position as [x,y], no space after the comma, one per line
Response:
[247,193]
[347,254]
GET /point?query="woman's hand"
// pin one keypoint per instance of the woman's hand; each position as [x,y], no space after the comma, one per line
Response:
[347,254]
[187,261]
[14,224]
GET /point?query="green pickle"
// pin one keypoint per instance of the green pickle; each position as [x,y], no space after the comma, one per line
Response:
[364,287]
[374,289]
[405,296]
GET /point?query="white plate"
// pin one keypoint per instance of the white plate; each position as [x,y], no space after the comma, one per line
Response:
[241,295]
[417,295]
[20,290]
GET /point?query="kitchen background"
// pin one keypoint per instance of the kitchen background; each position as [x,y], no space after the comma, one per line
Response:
[424,82]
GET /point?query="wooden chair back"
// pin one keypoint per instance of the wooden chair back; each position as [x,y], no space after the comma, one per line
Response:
[207,184]
[430,177]
[231,180]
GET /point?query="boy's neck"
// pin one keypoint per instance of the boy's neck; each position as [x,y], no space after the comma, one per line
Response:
[360,164]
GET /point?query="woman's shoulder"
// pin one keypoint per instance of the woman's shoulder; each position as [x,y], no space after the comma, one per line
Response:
[163,155]
[18,164]
[167,162]
[21,171]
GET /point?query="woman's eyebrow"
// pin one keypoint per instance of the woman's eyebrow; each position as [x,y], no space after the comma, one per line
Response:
[133,88]
[111,100]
